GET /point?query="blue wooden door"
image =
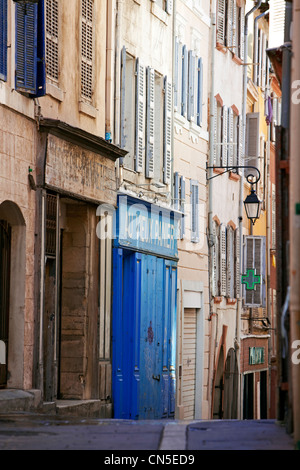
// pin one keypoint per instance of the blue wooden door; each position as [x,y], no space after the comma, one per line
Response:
[144,336]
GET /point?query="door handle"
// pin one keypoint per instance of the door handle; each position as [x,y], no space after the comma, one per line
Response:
[156,377]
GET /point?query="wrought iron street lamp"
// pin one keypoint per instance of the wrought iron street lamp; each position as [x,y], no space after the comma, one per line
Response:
[252,203]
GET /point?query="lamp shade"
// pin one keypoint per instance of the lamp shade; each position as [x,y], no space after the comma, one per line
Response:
[252,206]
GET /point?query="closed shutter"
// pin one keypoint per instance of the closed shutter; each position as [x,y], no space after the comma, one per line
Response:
[184,81]
[237,263]
[195,212]
[87,7]
[176,191]
[30,49]
[252,141]
[242,28]
[3,39]
[230,263]
[150,123]
[255,258]
[223,274]
[191,86]
[52,39]
[140,116]
[189,362]
[240,141]
[167,131]
[229,26]
[221,25]
[123,90]
[200,92]
[234,28]
[216,148]
[215,261]
[230,151]
[176,73]
[182,206]
[224,146]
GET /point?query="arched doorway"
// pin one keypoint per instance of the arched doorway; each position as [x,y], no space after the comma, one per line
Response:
[231,386]
[12,294]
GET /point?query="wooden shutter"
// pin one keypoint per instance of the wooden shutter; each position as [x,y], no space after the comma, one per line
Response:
[240,141]
[223,279]
[216,148]
[52,18]
[242,29]
[150,119]
[200,92]
[191,86]
[221,15]
[167,130]
[194,211]
[184,81]
[140,117]
[123,106]
[3,39]
[182,206]
[229,26]
[237,263]
[87,32]
[176,191]
[230,262]
[234,28]
[252,141]
[215,261]
[255,258]
[230,142]
[224,146]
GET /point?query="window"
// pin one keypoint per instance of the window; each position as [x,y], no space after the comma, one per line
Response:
[3,39]
[52,66]
[255,259]
[146,119]
[230,26]
[30,76]
[230,277]
[87,43]
[194,211]
[166,5]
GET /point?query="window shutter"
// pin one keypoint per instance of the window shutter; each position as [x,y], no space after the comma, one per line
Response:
[229,26]
[230,263]
[123,89]
[150,123]
[195,211]
[242,29]
[230,138]
[52,18]
[41,51]
[255,258]
[184,82]
[169,6]
[176,72]
[176,190]
[167,131]
[224,146]
[223,275]
[140,117]
[234,27]
[87,27]
[221,15]
[191,87]
[215,261]
[252,141]
[200,92]
[240,141]
[3,40]
[182,206]
[237,263]
[216,149]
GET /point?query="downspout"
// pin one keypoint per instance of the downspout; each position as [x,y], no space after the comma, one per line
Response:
[117,81]
[239,307]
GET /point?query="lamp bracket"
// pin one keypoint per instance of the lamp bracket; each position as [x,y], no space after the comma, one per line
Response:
[234,167]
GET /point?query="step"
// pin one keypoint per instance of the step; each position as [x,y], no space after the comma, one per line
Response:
[19,400]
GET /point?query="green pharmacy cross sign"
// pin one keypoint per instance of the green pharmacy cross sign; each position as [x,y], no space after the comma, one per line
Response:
[251,279]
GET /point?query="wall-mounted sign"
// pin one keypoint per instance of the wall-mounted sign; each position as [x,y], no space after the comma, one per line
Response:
[251,279]
[256,355]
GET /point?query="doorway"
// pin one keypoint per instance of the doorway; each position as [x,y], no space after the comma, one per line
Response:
[5,257]
[248,406]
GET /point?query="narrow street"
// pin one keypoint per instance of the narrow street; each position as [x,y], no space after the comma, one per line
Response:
[25,431]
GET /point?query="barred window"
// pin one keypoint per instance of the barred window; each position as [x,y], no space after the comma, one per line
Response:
[87,11]
[52,67]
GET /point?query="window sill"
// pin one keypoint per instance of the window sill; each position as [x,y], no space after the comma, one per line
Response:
[55,92]
[217,300]
[234,176]
[220,47]
[230,301]
[87,109]
[159,13]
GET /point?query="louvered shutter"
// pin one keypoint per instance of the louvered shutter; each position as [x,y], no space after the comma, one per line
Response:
[242,29]
[224,146]
[200,92]
[150,123]
[167,130]
[169,6]
[3,39]
[176,72]
[184,81]
[215,261]
[123,90]
[191,86]
[240,141]
[30,49]
[255,258]
[234,27]
[229,26]
[230,138]
[216,148]
[252,141]
[195,211]
[52,27]
[237,263]
[230,263]
[176,190]
[221,15]
[223,274]
[182,206]
[140,117]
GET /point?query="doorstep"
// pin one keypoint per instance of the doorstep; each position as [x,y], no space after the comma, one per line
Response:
[19,400]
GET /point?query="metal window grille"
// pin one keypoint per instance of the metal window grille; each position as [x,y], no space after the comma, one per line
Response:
[52,67]
[51,208]
[87,7]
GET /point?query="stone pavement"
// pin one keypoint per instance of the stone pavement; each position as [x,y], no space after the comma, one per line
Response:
[32,431]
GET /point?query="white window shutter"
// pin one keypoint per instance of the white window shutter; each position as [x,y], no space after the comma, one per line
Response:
[191,86]
[230,138]
[150,119]
[195,211]
[182,206]
[229,26]
[252,141]
[242,27]
[200,92]
[240,142]
[215,143]
[224,146]
[176,72]
[167,130]
[223,274]
[221,15]
[230,263]
[169,6]
[176,191]
[123,90]
[184,81]
[234,27]
[140,116]
[237,263]
[215,262]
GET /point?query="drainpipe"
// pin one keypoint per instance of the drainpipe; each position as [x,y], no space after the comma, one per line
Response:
[109,79]
[239,309]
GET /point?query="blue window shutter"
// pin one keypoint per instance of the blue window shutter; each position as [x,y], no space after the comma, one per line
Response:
[191,86]
[184,81]
[3,39]
[176,190]
[182,203]
[30,49]
[200,92]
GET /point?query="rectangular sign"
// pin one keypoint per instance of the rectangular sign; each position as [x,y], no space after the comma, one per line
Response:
[256,355]
[79,171]
[146,227]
